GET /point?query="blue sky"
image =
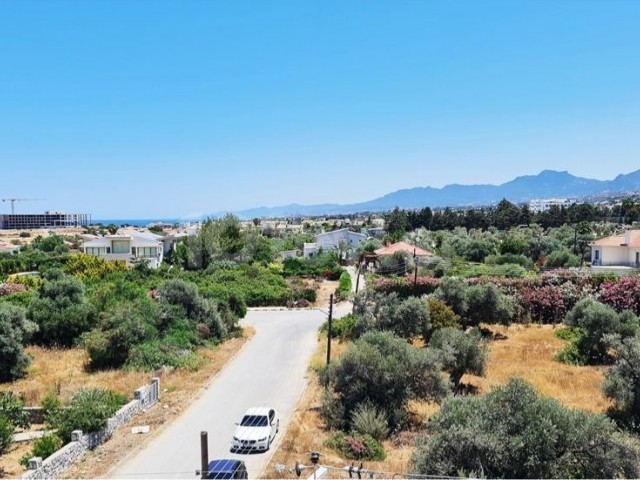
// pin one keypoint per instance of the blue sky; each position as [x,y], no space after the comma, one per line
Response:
[144,109]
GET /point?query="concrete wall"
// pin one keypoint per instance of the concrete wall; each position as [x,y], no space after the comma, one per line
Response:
[614,255]
[55,465]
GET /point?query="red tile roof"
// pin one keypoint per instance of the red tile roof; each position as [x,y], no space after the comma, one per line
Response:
[619,240]
[403,247]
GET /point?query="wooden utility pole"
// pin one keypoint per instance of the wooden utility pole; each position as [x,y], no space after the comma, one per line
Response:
[358,277]
[329,332]
[204,455]
[415,277]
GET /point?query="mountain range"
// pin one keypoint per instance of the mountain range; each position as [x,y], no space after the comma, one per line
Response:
[546,184]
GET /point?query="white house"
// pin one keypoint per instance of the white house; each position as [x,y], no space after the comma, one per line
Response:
[127,247]
[538,205]
[617,252]
[332,240]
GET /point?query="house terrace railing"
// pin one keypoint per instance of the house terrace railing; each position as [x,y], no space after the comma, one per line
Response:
[600,263]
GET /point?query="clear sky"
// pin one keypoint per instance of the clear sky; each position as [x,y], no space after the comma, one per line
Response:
[149,109]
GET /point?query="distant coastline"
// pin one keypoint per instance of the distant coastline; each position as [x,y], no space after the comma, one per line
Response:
[139,222]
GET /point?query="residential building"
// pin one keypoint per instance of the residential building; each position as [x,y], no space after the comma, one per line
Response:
[310,250]
[333,240]
[538,205]
[44,220]
[617,253]
[128,247]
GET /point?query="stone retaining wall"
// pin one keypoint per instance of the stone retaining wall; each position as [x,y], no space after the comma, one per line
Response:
[59,462]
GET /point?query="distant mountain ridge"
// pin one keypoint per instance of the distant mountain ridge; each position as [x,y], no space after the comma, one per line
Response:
[546,184]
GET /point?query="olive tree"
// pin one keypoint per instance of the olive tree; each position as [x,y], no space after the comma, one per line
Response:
[512,432]
[385,371]
[596,320]
[622,380]
[460,352]
[61,311]
[15,330]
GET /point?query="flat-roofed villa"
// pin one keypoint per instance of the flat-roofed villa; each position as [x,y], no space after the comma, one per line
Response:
[127,247]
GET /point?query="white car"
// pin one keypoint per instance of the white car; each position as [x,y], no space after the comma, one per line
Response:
[256,430]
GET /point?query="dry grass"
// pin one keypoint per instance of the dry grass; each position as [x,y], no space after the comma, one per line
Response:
[325,289]
[63,370]
[9,235]
[527,352]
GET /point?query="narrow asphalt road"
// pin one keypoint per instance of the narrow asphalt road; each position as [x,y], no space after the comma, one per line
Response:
[270,370]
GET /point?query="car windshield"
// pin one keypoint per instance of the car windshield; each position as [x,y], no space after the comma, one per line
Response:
[255,421]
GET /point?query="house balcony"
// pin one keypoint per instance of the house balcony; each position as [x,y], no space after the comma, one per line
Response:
[600,263]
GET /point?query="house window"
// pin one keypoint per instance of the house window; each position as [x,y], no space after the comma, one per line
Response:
[597,255]
[637,258]
[121,246]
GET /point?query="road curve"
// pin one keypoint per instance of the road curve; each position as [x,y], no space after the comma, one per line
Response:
[270,370]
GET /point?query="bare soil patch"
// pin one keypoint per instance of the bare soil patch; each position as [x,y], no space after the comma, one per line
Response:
[326,288]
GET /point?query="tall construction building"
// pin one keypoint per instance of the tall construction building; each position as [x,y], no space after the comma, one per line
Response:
[44,220]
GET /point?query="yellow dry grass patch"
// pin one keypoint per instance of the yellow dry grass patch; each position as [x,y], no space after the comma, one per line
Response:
[527,352]
[63,370]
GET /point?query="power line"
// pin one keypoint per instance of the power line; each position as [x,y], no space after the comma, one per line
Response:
[351,471]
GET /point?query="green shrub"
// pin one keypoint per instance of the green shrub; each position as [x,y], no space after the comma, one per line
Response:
[88,410]
[487,304]
[43,447]
[356,446]
[408,318]
[510,258]
[571,355]
[341,328]
[384,370]
[595,321]
[344,288]
[6,433]
[153,355]
[119,331]
[50,404]
[61,311]
[324,265]
[567,333]
[562,258]
[441,314]
[460,352]
[13,409]
[14,331]
[622,383]
[369,420]
[512,432]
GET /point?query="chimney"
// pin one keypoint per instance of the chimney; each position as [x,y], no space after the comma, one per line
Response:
[627,236]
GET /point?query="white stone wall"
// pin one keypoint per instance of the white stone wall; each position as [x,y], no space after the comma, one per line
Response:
[55,465]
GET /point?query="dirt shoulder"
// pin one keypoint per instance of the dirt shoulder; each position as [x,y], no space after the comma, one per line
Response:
[178,389]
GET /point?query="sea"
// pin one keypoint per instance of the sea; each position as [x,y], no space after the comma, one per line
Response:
[141,222]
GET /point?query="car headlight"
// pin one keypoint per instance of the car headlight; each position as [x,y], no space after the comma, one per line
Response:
[236,439]
[263,439]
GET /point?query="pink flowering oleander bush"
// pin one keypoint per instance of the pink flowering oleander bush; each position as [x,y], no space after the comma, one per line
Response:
[545,304]
[8,288]
[545,298]
[622,295]
[404,286]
